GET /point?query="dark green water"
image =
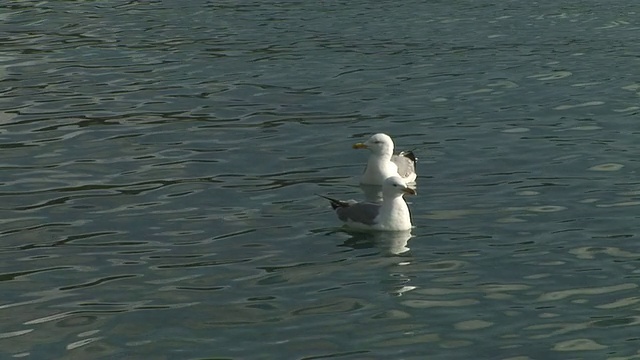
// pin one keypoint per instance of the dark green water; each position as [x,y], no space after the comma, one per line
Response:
[159,162]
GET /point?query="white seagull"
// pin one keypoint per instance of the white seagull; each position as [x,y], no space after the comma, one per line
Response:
[383,163]
[392,214]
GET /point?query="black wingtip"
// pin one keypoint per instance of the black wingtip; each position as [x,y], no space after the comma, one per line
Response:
[409,155]
[334,202]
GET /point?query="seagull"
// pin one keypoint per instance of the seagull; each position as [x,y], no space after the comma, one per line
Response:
[392,214]
[383,163]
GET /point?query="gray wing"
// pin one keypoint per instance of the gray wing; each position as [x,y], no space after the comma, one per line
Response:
[406,162]
[363,213]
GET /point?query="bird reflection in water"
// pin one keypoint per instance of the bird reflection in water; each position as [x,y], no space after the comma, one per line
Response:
[395,251]
[389,242]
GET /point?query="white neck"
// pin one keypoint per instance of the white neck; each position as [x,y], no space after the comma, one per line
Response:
[379,167]
[394,210]
[386,155]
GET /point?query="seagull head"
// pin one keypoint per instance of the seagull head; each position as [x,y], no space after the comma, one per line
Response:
[395,186]
[379,144]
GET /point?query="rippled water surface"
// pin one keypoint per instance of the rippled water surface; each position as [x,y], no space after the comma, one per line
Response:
[160,160]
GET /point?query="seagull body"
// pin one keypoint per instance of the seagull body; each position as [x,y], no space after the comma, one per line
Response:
[392,214]
[383,163]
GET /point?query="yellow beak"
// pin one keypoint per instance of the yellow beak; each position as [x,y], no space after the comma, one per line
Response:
[360,146]
[409,191]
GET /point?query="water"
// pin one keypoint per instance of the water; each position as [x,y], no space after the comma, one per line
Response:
[160,162]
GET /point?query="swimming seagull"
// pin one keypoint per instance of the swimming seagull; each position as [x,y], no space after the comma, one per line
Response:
[392,214]
[383,163]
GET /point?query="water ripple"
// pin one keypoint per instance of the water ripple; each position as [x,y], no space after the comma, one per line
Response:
[160,160]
